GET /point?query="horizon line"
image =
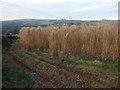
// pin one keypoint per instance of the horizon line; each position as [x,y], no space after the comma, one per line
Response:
[56,19]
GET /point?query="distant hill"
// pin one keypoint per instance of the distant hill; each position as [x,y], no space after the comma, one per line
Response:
[13,26]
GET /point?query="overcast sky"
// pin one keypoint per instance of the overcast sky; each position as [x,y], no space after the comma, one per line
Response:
[56,9]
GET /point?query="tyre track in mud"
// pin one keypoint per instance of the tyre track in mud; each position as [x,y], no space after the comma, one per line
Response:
[42,79]
[86,79]
[39,81]
[41,76]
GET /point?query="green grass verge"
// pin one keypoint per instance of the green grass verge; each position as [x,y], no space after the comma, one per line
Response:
[14,77]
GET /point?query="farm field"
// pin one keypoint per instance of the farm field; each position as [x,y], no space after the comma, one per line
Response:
[63,57]
[51,44]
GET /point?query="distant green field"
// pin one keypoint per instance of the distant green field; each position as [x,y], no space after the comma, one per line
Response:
[13,26]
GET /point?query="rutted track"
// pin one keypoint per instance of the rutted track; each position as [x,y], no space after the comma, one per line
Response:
[38,77]
[87,78]
[42,79]
[49,81]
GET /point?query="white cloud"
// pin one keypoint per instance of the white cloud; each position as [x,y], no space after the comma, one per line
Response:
[56,8]
[11,1]
[59,1]
[46,3]
[90,8]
